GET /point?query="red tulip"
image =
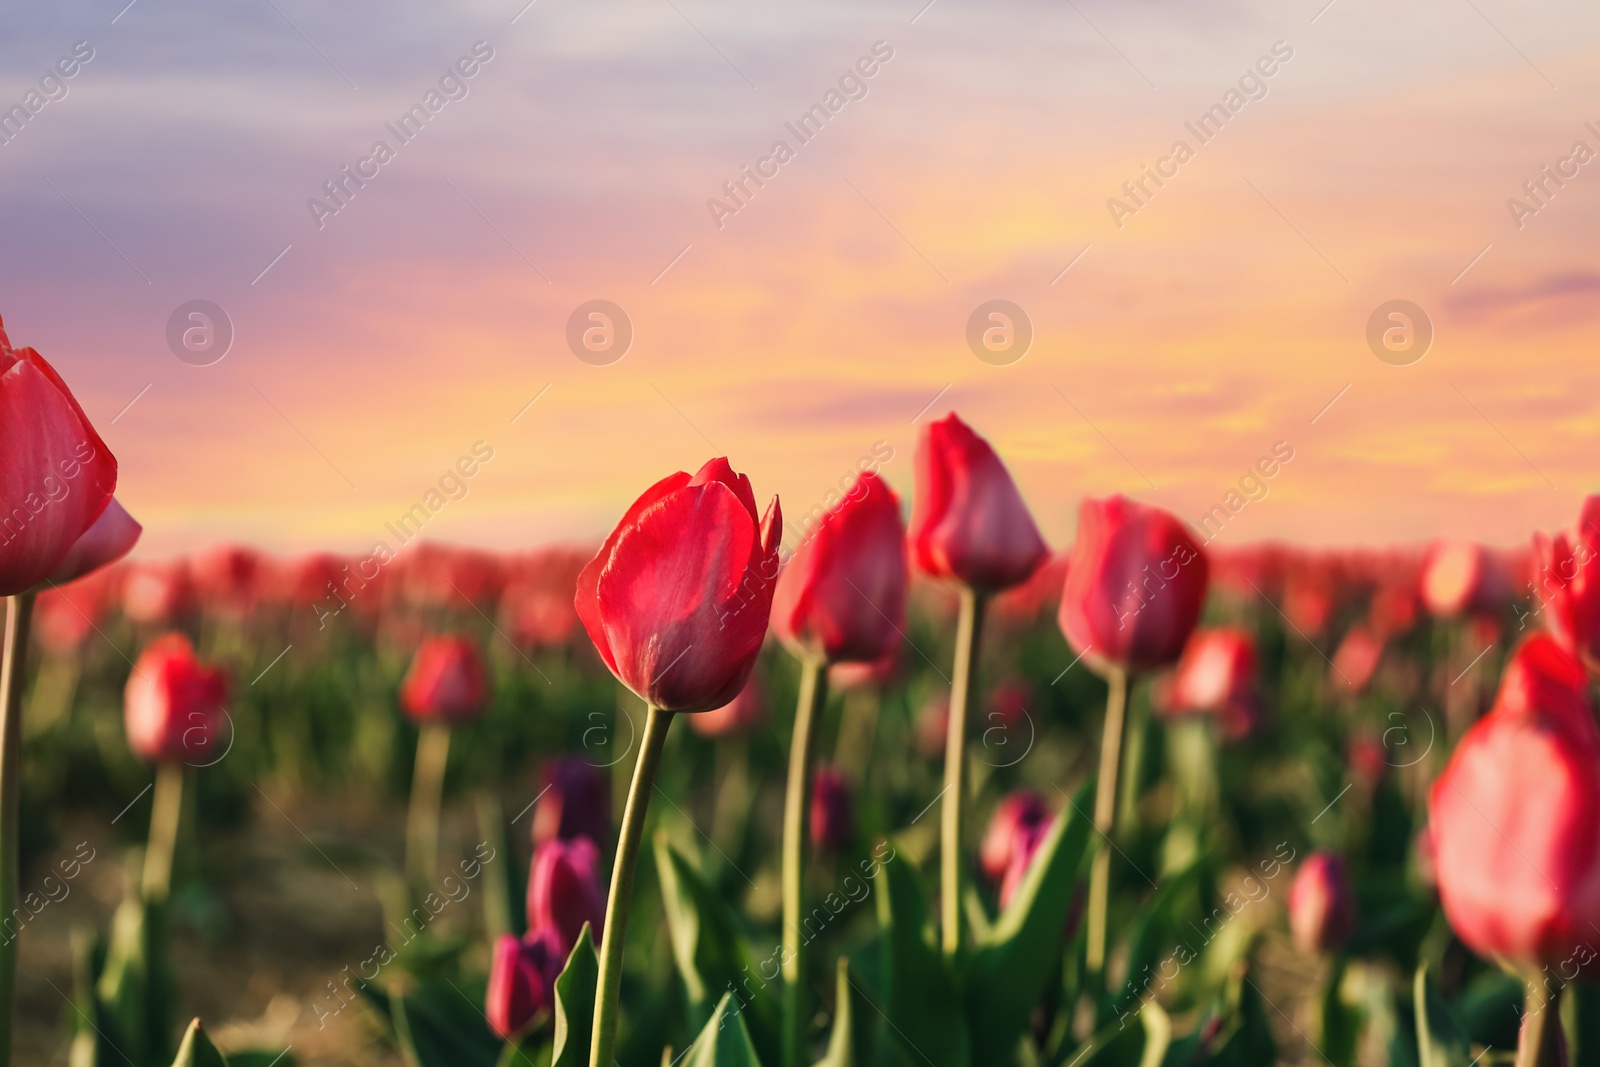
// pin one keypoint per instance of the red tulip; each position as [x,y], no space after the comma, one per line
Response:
[157,593]
[842,595]
[1356,659]
[1007,705]
[876,675]
[741,715]
[173,705]
[1022,857]
[229,577]
[1393,610]
[564,891]
[112,536]
[317,579]
[968,521]
[1515,817]
[1460,577]
[66,615]
[1218,666]
[678,599]
[446,681]
[522,980]
[1322,910]
[1134,587]
[833,814]
[56,477]
[1568,581]
[933,726]
[1018,820]
[574,802]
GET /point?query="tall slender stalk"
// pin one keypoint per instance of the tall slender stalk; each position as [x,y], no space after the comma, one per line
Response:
[1539,1043]
[427,797]
[796,819]
[603,1051]
[166,812]
[968,632]
[13,659]
[1105,816]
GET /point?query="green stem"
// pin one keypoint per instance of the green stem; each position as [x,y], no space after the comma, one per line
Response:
[13,658]
[427,797]
[166,812]
[796,819]
[1539,1044]
[968,631]
[602,1052]
[1105,816]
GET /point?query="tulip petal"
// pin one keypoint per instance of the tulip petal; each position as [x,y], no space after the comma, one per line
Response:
[112,536]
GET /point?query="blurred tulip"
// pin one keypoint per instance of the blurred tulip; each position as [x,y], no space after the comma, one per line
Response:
[1135,585]
[158,593]
[1393,610]
[1515,817]
[1568,582]
[1217,667]
[1322,911]
[1018,820]
[877,674]
[842,594]
[677,601]
[1007,705]
[173,705]
[446,681]
[744,714]
[64,616]
[564,890]
[315,579]
[1459,577]
[933,727]
[522,978]
[112,536]
[1310,598]
[1026,847]
[57,477]
[968,521]
[1355,661]
[833,813]
[573,802]
[230,577]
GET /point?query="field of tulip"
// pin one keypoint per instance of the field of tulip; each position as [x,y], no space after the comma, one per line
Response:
[941,795]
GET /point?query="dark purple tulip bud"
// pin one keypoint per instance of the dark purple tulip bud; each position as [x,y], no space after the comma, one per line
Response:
[833,816]
[564,891]
[1322,909]
[574,803]
[521,981]
[1019,817]
[1023,849]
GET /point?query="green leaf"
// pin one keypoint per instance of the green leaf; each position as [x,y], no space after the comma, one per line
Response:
[841,1043]
[1157,1035]
[439,1024]
[926,1026]
[197,1050]
[575,990]
[1441,1041]
[1010,969]
[703,931]
[1155,930]
[724,1042]
[134,985]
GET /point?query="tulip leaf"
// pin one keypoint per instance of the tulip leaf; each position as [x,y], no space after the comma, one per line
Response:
[438,1024]
[1441,1041]
[197,1050]
[134,986]
[1154,929]
[926,1027]
[574,1010]
[724,1042]
[1010,969]
[841,1043]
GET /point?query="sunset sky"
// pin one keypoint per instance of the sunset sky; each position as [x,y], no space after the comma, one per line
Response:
[375,346]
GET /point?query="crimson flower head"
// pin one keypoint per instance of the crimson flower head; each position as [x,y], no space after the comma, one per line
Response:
[522,981]
[1019,821]
[573,802]
[842,595]
[56,475]
[1135,585]
[112,536]
[1322,909]
[1459,577]
[1568,582]
[1514,820]
[564,891]
[833,811]
[173,704]
[1217,668]
[677,600]
[1356,659]
[968,521]
[446,681]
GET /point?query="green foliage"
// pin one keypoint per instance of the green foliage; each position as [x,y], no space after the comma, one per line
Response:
[574,1009]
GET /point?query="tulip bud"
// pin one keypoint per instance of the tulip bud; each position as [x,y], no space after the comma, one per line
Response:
[842,595]
[58,475]
[157,593]
[574,802]
[112,536]
[230,577]
[446,681]
[1322,911]
[522,979]
[968,521]
[1459,577]
[1017,820]
[564,891]
[875,675]
[1218,666]
[678,598]
[833,815]
[1135,585]
[173,706]
[1026,847]
[1355,661]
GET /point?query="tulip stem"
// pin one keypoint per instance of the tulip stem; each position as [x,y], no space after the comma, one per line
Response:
[1539,1044]
[1105,816]
[13,657]
[796,820]
[427,797]
[609,988]
[968,632]
[166,812]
